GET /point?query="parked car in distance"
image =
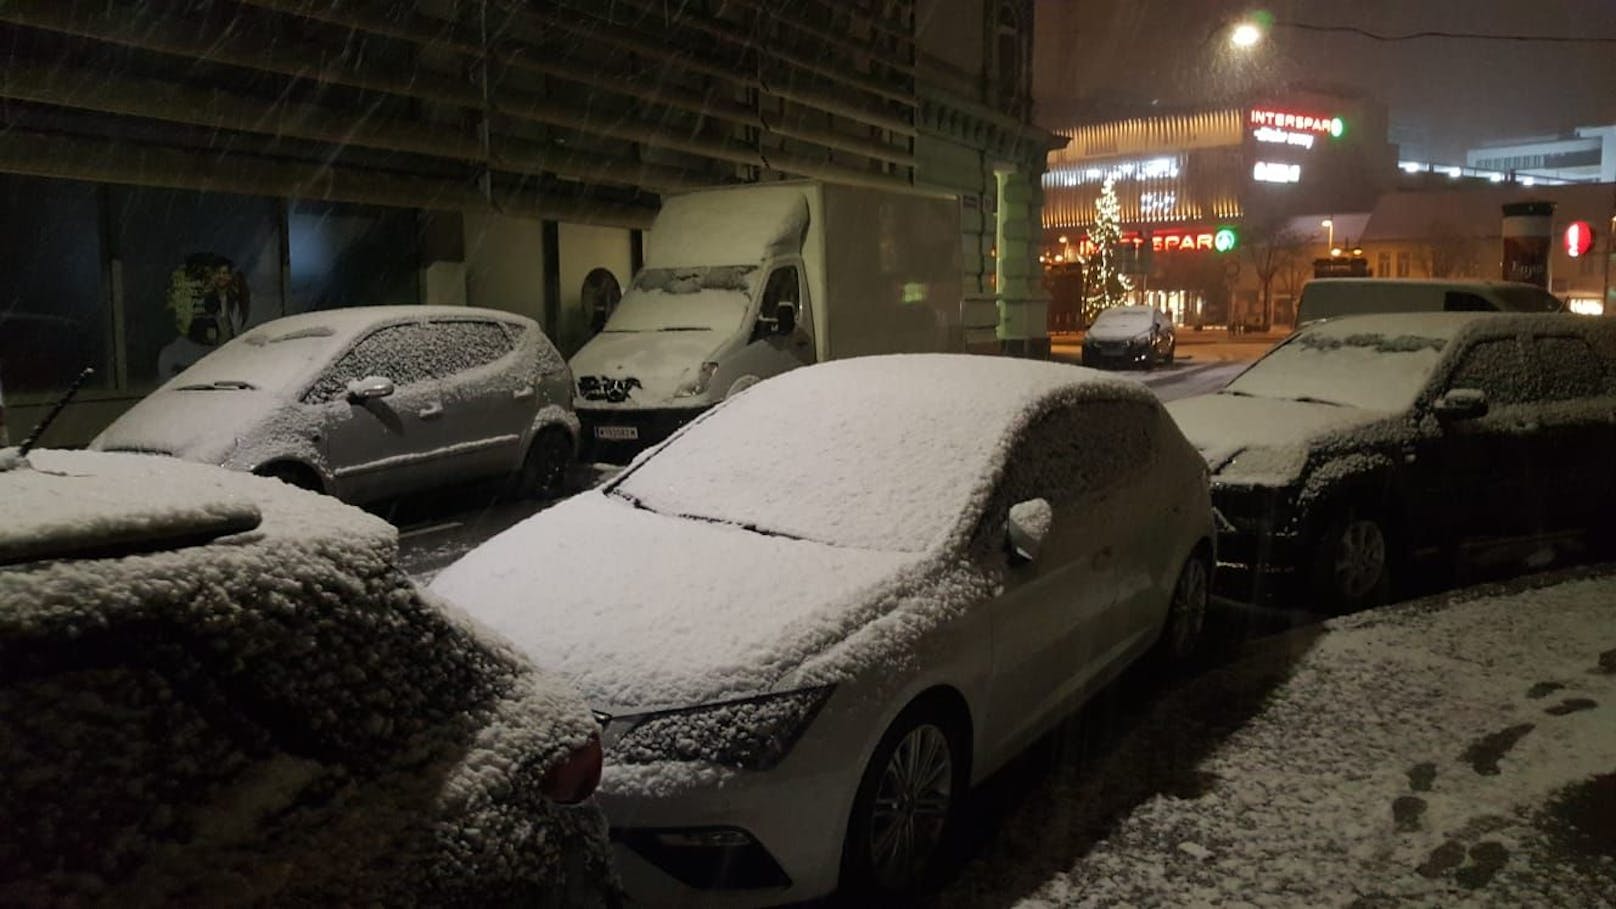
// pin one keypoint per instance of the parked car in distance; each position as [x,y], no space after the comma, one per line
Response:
[368,403]
[1365,452]
[217,690]
[1129,336]
[821,611]
[1328,298]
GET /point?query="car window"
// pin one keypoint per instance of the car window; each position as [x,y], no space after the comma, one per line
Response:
[1569,369]
[1073,454]
[783,287]
[1460,301]
[1495,366]
[392,351]
[463,345]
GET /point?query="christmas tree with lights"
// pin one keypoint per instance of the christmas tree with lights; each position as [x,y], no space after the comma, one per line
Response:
[1104,283]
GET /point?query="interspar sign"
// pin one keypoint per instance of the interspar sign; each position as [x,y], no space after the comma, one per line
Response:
[1262,118]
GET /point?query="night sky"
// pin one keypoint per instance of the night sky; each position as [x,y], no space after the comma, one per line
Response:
[1444,95]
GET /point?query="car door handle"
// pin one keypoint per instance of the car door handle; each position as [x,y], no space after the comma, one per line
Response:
[523,393]
[431,411]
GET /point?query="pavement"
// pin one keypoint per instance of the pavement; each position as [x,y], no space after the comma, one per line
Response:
[1453,750]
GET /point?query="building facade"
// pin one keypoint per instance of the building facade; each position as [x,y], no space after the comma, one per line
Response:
[1585,155]
[1205,193]
[288,155]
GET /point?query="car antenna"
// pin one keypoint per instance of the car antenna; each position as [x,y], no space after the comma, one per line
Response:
[55,411]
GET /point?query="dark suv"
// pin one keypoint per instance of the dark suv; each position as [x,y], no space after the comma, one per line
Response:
[217,689]
[1370,451]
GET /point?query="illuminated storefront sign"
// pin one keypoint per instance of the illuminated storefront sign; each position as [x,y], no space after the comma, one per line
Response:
[1175,240]
[1579,238]
[1273,172]
[1166,168]
[1283,137]
[1334,127]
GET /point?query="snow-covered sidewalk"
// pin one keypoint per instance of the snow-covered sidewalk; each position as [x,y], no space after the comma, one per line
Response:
[1453,751]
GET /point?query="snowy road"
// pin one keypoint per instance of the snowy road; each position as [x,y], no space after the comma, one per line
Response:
[436,530]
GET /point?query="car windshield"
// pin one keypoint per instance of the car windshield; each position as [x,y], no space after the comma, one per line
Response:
[713,298]
[1348,363]
[266,358]
[1124,321]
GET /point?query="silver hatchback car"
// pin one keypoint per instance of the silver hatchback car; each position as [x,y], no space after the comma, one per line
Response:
[370,402]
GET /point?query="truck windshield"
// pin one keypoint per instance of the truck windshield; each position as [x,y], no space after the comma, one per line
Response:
[708,298]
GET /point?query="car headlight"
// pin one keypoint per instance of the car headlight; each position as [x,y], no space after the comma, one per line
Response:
[751,734]
[698,385]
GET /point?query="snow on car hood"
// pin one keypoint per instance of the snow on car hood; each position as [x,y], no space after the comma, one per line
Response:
[203,426]
[645,611]
[659,361]
[1260,440]
[1121,326]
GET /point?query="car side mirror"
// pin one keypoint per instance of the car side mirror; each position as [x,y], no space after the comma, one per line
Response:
[369,388]
[785,318]
[1026,529]
[1461,404]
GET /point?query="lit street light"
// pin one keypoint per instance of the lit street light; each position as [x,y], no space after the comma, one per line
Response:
[1246,35]
[1329,223]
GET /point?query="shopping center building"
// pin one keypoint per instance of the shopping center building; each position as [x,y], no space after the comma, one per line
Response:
[1204,193]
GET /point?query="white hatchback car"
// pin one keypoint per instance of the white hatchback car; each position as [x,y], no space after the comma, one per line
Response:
[820,612]
[370,402]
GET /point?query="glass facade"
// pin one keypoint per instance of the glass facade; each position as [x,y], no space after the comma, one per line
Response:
[138,283]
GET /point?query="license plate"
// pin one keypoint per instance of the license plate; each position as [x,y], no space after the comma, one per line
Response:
[617,433]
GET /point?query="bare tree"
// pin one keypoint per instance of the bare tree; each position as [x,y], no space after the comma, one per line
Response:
[1272,248]
[1448,253]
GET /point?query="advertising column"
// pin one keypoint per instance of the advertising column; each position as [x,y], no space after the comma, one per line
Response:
[1527,229]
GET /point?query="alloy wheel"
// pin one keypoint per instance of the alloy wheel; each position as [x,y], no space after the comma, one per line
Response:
[1187,612]
[910,815]
[1360,559]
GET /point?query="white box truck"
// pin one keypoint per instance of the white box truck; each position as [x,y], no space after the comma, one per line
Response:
[745,282]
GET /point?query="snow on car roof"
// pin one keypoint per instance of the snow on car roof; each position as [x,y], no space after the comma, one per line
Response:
[71,497]
[881,453]
[351,320]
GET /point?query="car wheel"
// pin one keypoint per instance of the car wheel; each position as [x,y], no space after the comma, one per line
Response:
[544,472]
[1352,561]
[905,814]
[1186,611]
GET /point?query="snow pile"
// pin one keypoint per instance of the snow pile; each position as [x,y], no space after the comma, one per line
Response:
[741,226]
[1416,755]
[274,717]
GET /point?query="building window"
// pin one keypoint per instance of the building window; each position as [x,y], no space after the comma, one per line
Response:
[350,255]
[198,269]
[1404,259]
[1010,67]
[54,320]
[1383,267]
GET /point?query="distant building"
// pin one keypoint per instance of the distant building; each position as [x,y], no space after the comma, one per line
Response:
[1202,190]
[1586,155]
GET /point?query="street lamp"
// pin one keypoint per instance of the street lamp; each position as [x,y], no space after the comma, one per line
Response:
[1246,35]
[1329,223]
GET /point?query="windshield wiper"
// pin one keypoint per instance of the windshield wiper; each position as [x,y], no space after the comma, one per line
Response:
[220,385]
[635,502]
[1238,394]
[683,328]
[1309,399]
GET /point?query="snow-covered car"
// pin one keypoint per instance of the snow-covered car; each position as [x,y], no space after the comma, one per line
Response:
[1369,450]
[821,611]
[217,690]
[370,402]
[1130,336]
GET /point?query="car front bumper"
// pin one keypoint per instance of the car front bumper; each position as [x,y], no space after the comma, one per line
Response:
[741,838]
[1121,358]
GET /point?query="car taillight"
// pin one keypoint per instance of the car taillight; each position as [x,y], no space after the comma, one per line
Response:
[576,776]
